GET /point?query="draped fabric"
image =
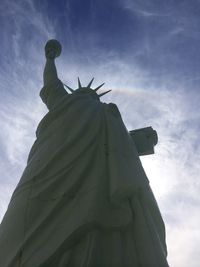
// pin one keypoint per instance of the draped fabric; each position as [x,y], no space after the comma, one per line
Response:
[84,198]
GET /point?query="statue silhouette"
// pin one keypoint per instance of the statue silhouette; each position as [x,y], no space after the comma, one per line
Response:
[84,198]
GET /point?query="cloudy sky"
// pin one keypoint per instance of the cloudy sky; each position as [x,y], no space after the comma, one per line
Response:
[148,52]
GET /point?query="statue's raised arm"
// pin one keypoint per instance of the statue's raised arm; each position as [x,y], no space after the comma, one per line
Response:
[53,89]
[52,50]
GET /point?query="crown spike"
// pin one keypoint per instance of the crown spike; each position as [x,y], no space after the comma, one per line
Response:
[99,87]
[70,89]
[79,83]
[90,83]
[104,93]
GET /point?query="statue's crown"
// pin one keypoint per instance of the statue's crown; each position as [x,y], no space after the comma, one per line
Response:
[87,88]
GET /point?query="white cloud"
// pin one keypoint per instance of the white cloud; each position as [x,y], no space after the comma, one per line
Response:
[20,80]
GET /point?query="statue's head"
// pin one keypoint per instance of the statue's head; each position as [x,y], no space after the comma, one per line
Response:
[87,90]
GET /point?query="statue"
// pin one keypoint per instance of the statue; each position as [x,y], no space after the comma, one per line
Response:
[84,198]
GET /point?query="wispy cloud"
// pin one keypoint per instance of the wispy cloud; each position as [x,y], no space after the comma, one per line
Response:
[20,76]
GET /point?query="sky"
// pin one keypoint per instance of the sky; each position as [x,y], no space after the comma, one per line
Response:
[148,53]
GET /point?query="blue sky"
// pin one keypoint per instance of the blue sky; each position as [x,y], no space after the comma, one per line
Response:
[148,52]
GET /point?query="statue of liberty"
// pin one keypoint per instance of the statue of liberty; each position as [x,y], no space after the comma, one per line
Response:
[83,198]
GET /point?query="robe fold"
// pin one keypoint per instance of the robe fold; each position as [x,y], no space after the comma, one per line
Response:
[83,189]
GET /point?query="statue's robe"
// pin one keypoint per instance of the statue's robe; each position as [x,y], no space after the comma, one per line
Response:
[84,198]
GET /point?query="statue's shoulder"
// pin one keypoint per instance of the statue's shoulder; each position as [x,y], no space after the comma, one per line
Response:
[52,92]
[114,109]
[53,86]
